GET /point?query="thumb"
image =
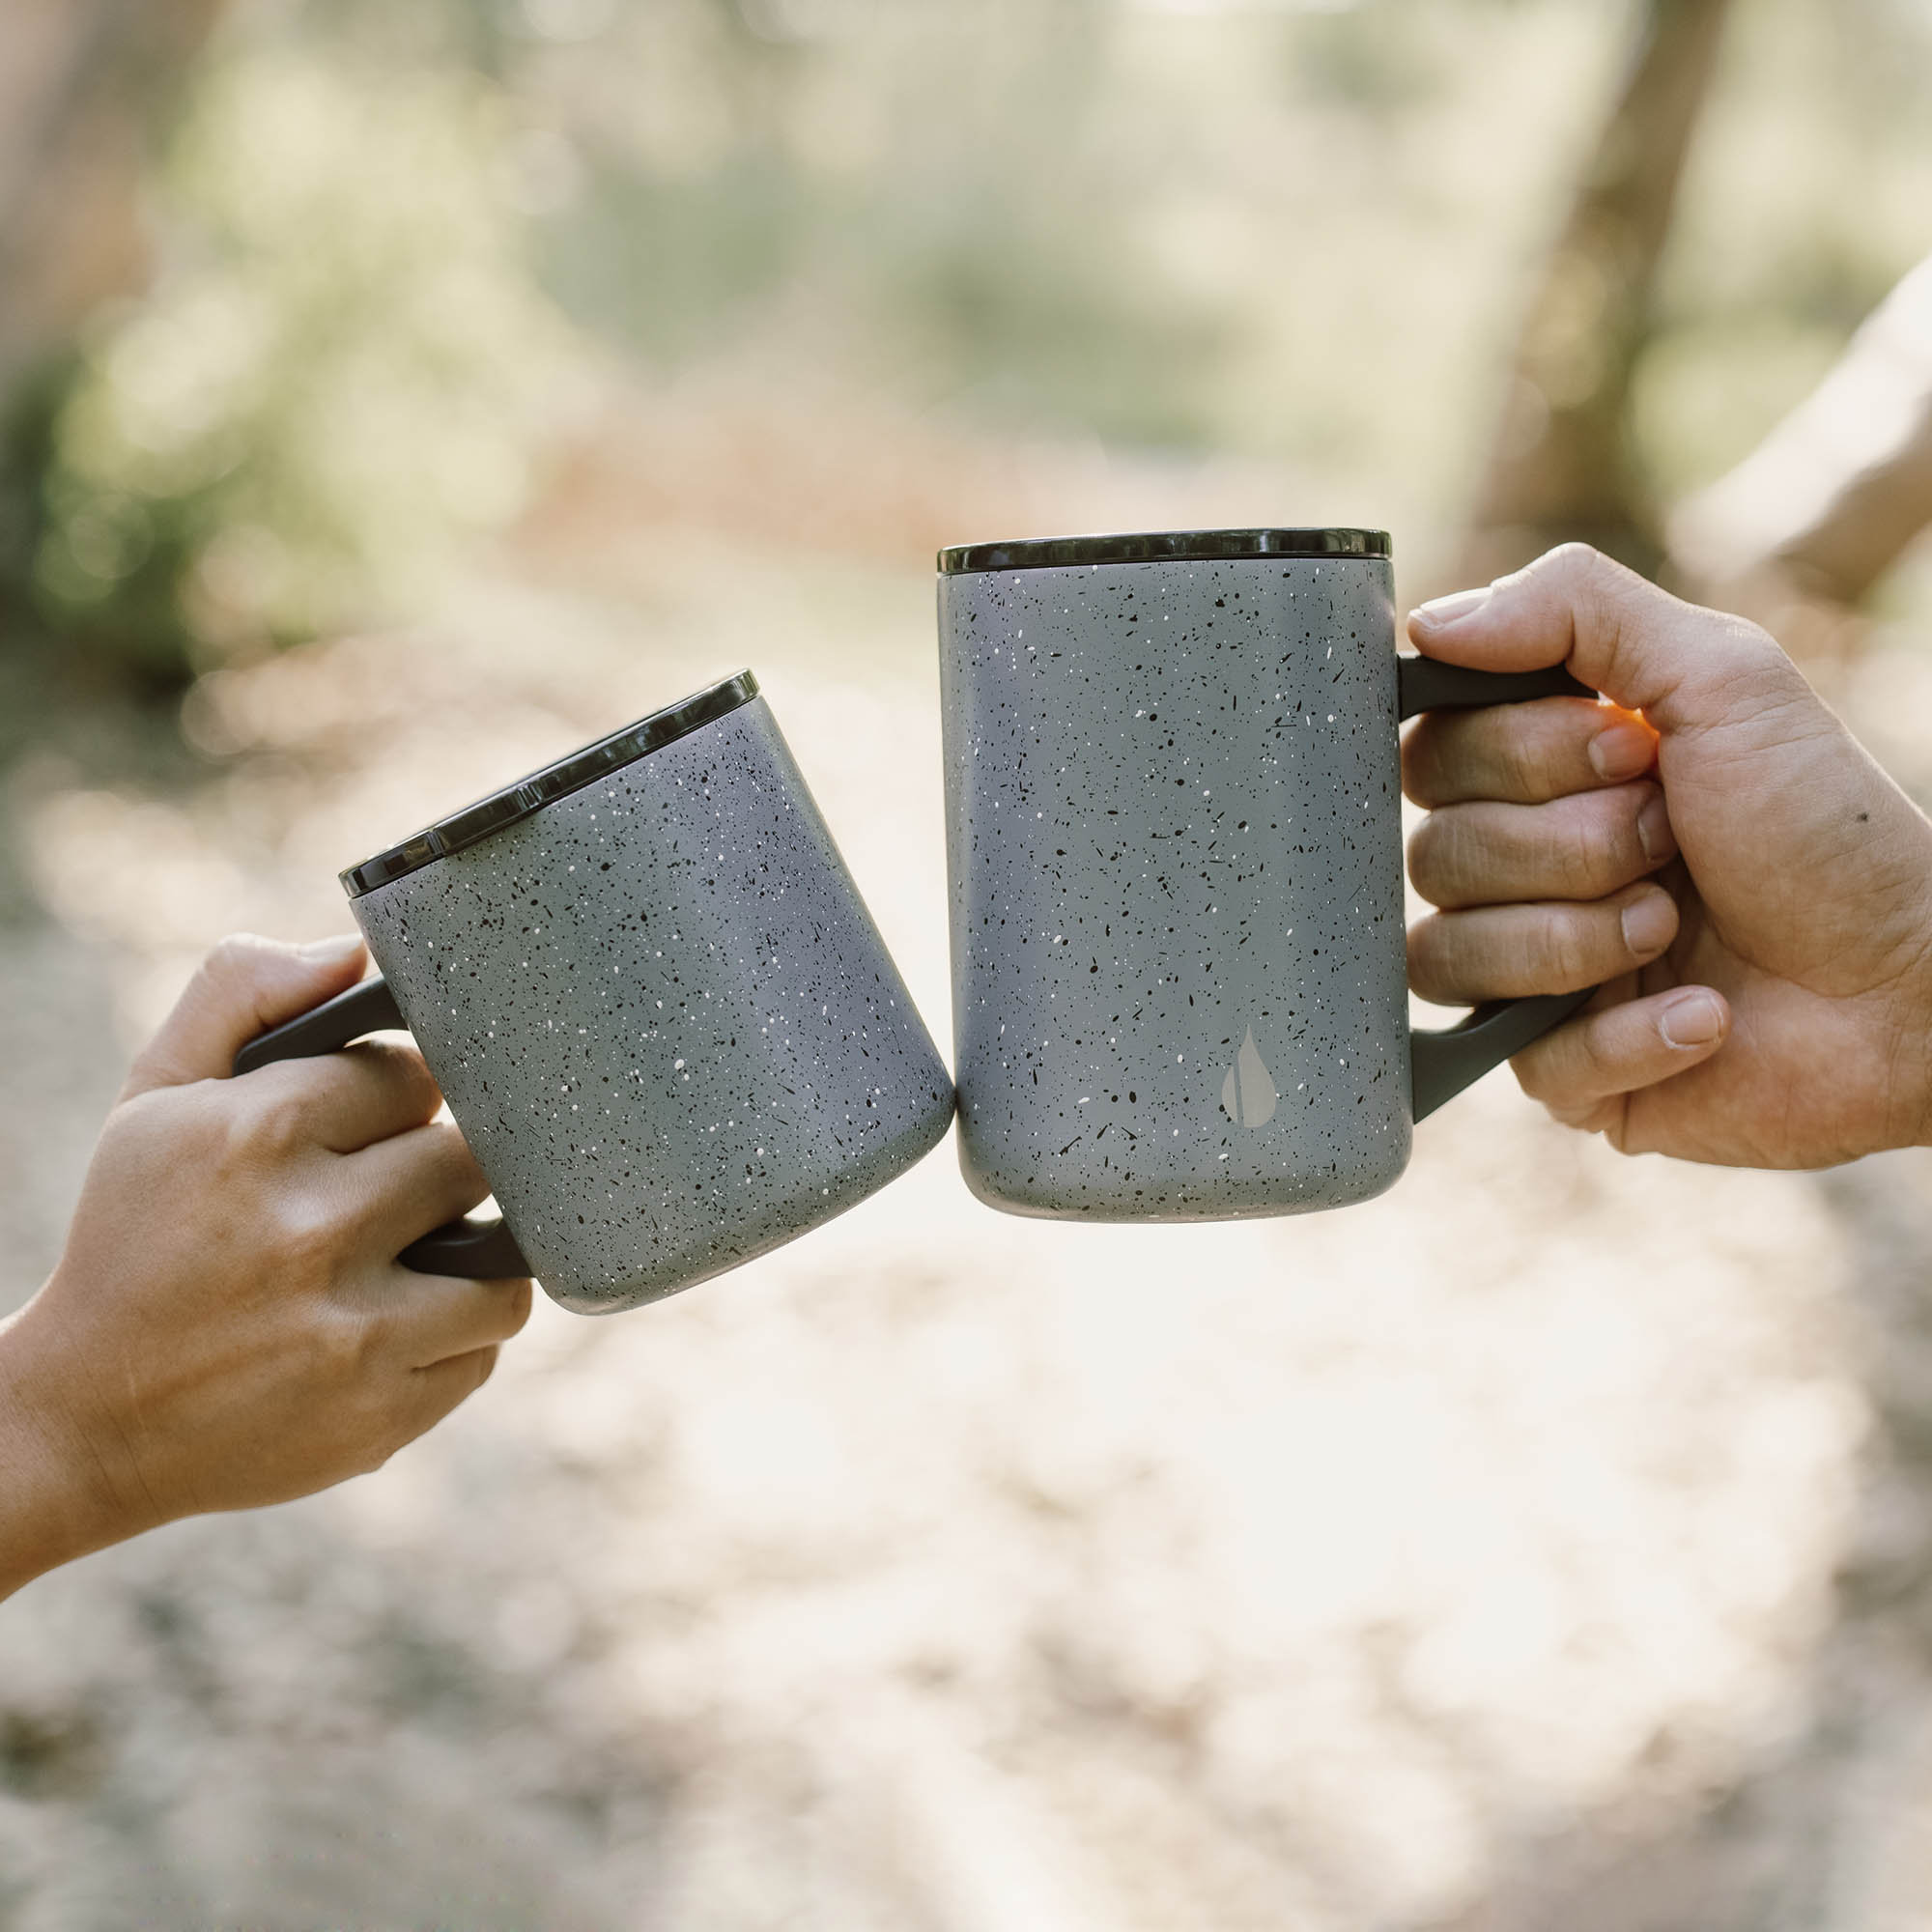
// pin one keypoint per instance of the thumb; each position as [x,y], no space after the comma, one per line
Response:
[243,987]
[1644,649]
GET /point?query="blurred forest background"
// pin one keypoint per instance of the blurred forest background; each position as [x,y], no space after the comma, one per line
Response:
[392,395]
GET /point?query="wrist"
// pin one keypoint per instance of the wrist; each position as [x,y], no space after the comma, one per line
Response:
[56,1503]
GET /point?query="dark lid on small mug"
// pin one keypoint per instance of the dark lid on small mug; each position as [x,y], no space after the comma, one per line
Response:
[495,810]
[1159,546]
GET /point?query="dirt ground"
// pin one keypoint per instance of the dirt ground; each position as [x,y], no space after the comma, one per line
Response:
[1547,1544]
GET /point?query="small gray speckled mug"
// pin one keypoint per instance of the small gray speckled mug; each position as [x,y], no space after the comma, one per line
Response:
[1174,839]
[655,1002]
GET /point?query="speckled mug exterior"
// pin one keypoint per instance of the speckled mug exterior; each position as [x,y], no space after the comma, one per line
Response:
[1174,847]
[663,1018]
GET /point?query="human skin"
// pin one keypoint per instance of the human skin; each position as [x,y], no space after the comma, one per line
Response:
[228,1326]
[1711,847]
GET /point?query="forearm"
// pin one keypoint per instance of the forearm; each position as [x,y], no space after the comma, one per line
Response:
[1842,484]
[53,1505]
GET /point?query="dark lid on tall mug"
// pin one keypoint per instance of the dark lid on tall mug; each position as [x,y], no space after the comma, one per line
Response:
[1159,546]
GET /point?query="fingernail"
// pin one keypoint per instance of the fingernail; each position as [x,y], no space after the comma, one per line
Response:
[1654,834]
[1453,609]
[1620,752]
[332,951]
[1695,1020]
[1648,923]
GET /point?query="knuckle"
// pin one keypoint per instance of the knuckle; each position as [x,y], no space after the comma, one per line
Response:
[1588,849]
[232,962]
[1421,782]
[1596,1059]
[1588,867]
[1425,845]
[1751,662]
[1574,556]
[219,1127]
[340,1345]
[230,952]
[1577,570]
[1748,640]
[1560,950]
[275,1117]
[1554,855]
[1583,563]
[456,1166]
[404,1070]
[306,1240]
[1520,759]
[1425,949]
[1600,588]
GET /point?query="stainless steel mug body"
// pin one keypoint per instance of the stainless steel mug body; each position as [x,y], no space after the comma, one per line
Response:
[657,1004]
[1174,849]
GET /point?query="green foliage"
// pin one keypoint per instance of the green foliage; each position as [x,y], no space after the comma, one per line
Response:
[947,202]
[333,379]
[1295,232]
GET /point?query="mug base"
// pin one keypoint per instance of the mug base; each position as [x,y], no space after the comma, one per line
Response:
[672,1274]
[1111,1198]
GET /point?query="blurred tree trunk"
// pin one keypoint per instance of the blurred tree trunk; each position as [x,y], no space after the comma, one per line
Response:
[81,82]
[1562,469]
[81,85]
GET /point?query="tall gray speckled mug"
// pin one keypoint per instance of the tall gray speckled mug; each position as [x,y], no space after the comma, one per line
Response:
[655,1002]
[1174,841]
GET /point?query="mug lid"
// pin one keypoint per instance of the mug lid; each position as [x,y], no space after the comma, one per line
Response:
[584,767]
[1159,546]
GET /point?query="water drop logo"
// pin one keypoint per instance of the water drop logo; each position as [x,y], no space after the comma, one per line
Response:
[1248,1094]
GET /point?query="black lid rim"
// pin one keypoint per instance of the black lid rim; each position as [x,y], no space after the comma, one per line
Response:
[490,813]
[1159,547]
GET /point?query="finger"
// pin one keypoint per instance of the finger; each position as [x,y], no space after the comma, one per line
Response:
[1503,952]
[347,1100]
[437,1389]
[1641,648]
[1601,1055]
[1523,752]
[1584,846]
[432,1317]
[243,987]
[398,1189]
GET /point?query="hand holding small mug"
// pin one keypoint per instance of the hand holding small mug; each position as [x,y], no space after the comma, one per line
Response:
[229,1325]
[1752,892]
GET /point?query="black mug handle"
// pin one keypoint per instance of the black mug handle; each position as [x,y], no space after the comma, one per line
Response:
[486,1250]
[1442,1062]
